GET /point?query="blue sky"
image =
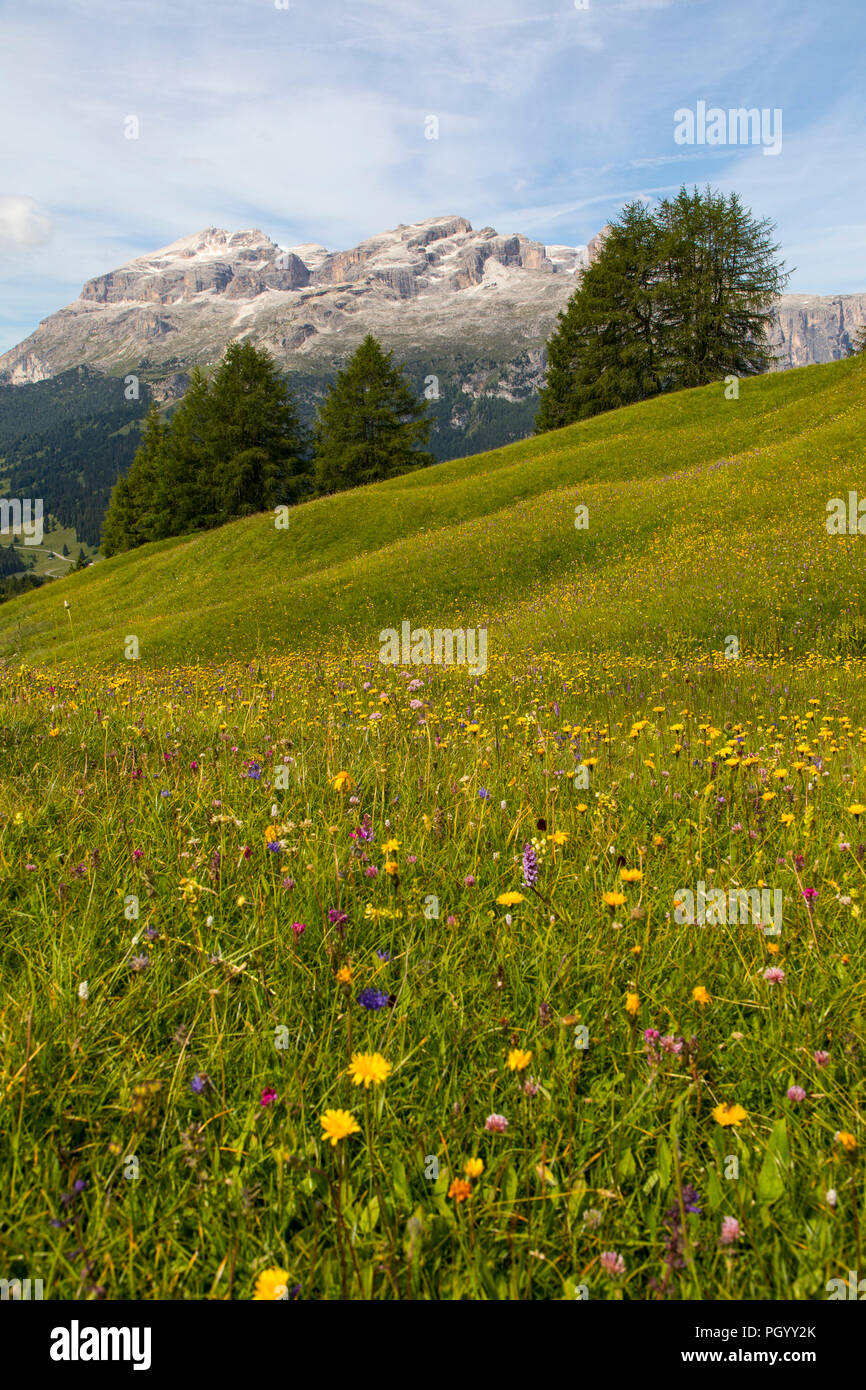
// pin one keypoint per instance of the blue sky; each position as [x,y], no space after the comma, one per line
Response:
[309,122]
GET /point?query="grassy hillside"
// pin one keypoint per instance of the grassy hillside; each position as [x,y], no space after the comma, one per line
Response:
[348,980]
[704,514]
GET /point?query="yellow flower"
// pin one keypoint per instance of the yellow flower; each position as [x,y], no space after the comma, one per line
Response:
[344,975]
[729,1114]
[518,1059]
[337,1125]
[614,899]
[630,875]
[857,809]
[392,867]
[342,782]
[846,1140]
[787,818]
[583,807]
[559,837]
[271,1284]
[460,1190]
[632,1004]
[700,995]
[369,1067]
[510,899]
[473,1167]
[391,846]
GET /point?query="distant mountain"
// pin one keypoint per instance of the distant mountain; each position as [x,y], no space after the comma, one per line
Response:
[436,291]
[469,313]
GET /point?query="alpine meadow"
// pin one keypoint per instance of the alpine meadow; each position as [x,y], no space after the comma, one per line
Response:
[433,872]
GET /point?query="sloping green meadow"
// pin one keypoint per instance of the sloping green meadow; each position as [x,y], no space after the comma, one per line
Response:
[703,512]
[327,978]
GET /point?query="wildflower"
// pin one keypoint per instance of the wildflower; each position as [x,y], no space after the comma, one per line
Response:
[299,928]
[632,1004]
[518,1060]
[460,1189]
[831,1197]
[820,1058]
[856,810]
[469,881]
[592,1218]
[84,991]
[337,1125]
[700,995]
[613,899]
[369,1068]
[530,1088]
[496,1124]
[630,875]
[272,1284]
[199,1083]
[510,899]
[559,837]
[774,975]
[848,1142]
[473,1167]
[373,999]
[484,793]
[530,866]
[344,975]
[342,782]
[727,1114]
[796,1093]
[612,1264]
[336,917]
[730,1231]
[139,963]
[269,1095]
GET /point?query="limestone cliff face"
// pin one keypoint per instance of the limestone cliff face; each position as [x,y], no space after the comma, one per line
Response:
[436,290]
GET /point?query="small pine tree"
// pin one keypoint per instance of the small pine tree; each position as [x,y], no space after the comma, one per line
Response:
[371,425]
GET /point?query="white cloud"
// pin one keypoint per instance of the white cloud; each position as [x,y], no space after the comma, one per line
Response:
[23,225]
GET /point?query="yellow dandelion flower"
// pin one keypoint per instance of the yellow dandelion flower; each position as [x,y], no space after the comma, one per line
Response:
[473,1167]
[337,1125]
[344,975]
[614,899]
[700,995]
[729,1114]
[630,875]
[518,1060]
[510,899]
[369,1068]
[272,1284]
[632,1004]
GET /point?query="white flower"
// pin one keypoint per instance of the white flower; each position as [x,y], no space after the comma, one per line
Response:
[831,1197]
[209,922]
[84,991]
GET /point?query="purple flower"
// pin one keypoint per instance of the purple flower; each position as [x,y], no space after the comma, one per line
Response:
[336,917]
[274,846]
[255,772]
[730,1231]
[810,893]
[140,963]
[820,1058]
[530,866]
[484,793]
[269,1095]
[496,1124]
[373,999]
[299,928]
[612,1264]
[796,1093]
[384,955]
[199,1083]
[774,975]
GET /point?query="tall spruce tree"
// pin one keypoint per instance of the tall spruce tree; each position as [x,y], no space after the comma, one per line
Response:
[371,425]
[679,296]
[234,446]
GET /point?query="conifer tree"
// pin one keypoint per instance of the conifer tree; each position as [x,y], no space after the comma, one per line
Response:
[371,425]
[679,296]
